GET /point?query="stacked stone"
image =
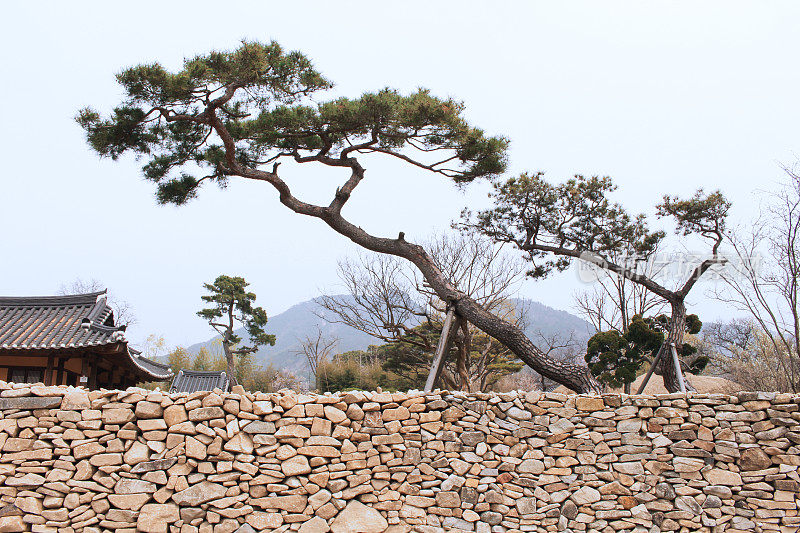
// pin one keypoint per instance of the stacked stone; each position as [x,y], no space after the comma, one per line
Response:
[73,460]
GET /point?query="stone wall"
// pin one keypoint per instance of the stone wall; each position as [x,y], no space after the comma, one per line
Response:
[212,462]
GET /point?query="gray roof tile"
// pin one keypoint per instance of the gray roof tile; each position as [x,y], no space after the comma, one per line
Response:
[199,380]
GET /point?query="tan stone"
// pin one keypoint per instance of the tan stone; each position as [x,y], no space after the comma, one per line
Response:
[335,415]
[200,493]
[296,466]
[12,524]
[156,517]
[359,518]
[175,414]
[292,504]
[589,403]
[117,416]
[195,449]
[315,525]
[137,453]
[146,409]
[319,451]
[262,521]
[717,476]
[202,414]
[401,413]
[754,459]
[240,443]
[106,459]
[87,450]
[132,502]
[134,486]
[75,400]
[293,431]
[586,495]
[17,445]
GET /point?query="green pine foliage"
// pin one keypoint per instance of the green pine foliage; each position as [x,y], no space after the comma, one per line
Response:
[231,300]
[616,358]
[260,96]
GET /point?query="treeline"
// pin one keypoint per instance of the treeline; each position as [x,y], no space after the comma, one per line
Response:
[247,372]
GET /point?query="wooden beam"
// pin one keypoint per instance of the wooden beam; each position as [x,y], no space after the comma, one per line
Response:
[441,351]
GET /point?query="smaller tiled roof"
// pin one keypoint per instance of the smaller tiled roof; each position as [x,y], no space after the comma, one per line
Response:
[199,380]
[158,371]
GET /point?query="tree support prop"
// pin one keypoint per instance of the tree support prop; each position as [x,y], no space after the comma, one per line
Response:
[677,364]
[441,350]
[675,361]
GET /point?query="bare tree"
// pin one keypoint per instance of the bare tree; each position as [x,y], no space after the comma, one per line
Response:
[316,348]
[388,300]
[763,279]
[613,300]
[123,312]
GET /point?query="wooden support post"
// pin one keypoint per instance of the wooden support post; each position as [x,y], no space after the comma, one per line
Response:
[93,370]
[677,364]
[48,373]
[441,351]
[60,373]
[83,379]
[650,372]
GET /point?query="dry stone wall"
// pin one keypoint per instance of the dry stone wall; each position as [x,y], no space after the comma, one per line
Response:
[137,460]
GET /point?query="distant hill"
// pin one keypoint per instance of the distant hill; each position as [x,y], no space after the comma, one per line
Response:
[301,320]
[291,327]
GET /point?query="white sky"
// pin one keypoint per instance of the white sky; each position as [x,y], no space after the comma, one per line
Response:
[662,96]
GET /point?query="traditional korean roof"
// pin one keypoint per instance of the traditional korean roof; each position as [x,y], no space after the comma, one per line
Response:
[68,322]
[199,380]
[158,371]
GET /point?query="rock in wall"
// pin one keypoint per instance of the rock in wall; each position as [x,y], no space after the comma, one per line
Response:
[136,460]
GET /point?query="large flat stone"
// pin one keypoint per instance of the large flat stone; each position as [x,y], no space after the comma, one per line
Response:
[150,466]
[359,518]
[31,402]
[201,493]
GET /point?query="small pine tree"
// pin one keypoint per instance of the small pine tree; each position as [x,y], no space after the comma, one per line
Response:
[232,306]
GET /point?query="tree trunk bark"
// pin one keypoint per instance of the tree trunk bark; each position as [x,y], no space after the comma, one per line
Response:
[666,365]
[575,377]
[229,359]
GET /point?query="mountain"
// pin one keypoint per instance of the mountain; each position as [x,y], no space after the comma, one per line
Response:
[294,325]
[301,320]
[552,324]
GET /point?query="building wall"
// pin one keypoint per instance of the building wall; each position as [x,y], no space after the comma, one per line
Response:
[223,463]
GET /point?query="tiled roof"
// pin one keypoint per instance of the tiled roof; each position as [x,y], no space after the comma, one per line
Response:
[64,322]
[158,371]
[198,380]
[74,321]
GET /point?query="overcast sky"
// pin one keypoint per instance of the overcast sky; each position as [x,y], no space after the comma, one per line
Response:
[664,97]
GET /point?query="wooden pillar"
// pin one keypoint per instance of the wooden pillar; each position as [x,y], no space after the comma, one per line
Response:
[93,370]
[85,371]
[60,373]
[48,373]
